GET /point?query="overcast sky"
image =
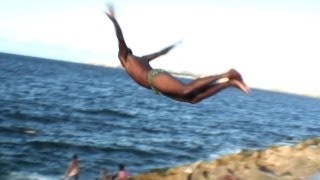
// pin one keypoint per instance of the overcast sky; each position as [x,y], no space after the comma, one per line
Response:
[274,43]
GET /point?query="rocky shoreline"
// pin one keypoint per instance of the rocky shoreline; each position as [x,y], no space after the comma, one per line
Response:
[299,161]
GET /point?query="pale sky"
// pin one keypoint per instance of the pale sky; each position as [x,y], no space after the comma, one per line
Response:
[275,44]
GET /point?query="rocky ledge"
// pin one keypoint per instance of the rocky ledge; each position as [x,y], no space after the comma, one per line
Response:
[299,161]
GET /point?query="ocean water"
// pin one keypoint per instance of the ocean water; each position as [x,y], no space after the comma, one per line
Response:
[50,110]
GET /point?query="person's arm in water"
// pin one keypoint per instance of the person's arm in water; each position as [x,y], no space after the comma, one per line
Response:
[123,49]
[164,51]
[66,174]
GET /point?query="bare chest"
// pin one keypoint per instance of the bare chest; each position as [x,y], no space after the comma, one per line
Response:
[138,71]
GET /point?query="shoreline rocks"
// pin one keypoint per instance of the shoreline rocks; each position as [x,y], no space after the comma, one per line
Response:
[293,162]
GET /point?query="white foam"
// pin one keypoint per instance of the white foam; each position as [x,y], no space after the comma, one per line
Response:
[224,152]
[30,131]
[29,176]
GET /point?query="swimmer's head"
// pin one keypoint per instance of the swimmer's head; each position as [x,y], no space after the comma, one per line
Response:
[121,167]
[75,156]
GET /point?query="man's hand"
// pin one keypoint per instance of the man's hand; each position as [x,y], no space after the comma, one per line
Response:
[110,12]
[167,49]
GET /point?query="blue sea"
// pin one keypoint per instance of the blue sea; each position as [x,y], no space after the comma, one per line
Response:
[50,110]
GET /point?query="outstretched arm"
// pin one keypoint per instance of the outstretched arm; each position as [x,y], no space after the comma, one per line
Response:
[123,49]
[164,51]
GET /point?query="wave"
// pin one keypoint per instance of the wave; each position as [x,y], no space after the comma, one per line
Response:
[107,112]
[18,130]
[91,149]
[24,116]
[49,144]
[27,176]
[150,129]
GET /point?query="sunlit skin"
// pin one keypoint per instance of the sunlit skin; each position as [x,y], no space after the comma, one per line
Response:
[73,169]
[138,68]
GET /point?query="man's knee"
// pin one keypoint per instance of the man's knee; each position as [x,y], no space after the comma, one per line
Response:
[191,98]
[188,93]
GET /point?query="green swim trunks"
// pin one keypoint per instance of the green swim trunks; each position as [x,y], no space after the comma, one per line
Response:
[151,75]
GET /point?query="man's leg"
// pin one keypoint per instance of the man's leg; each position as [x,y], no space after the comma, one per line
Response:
[197,96]
[210,91]
[166,83]
[213,89]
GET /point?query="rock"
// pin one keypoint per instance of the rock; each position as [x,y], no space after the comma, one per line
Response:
[274,163]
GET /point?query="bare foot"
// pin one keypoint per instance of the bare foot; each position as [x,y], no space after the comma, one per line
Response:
[241,85]
[234,74]
[236,80]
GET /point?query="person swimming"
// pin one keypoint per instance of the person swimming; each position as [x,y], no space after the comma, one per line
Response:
[72,173]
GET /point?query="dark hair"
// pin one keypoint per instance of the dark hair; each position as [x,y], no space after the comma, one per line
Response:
[121,167]
[75,156]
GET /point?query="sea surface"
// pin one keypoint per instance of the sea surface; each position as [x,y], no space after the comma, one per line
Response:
[50,110]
